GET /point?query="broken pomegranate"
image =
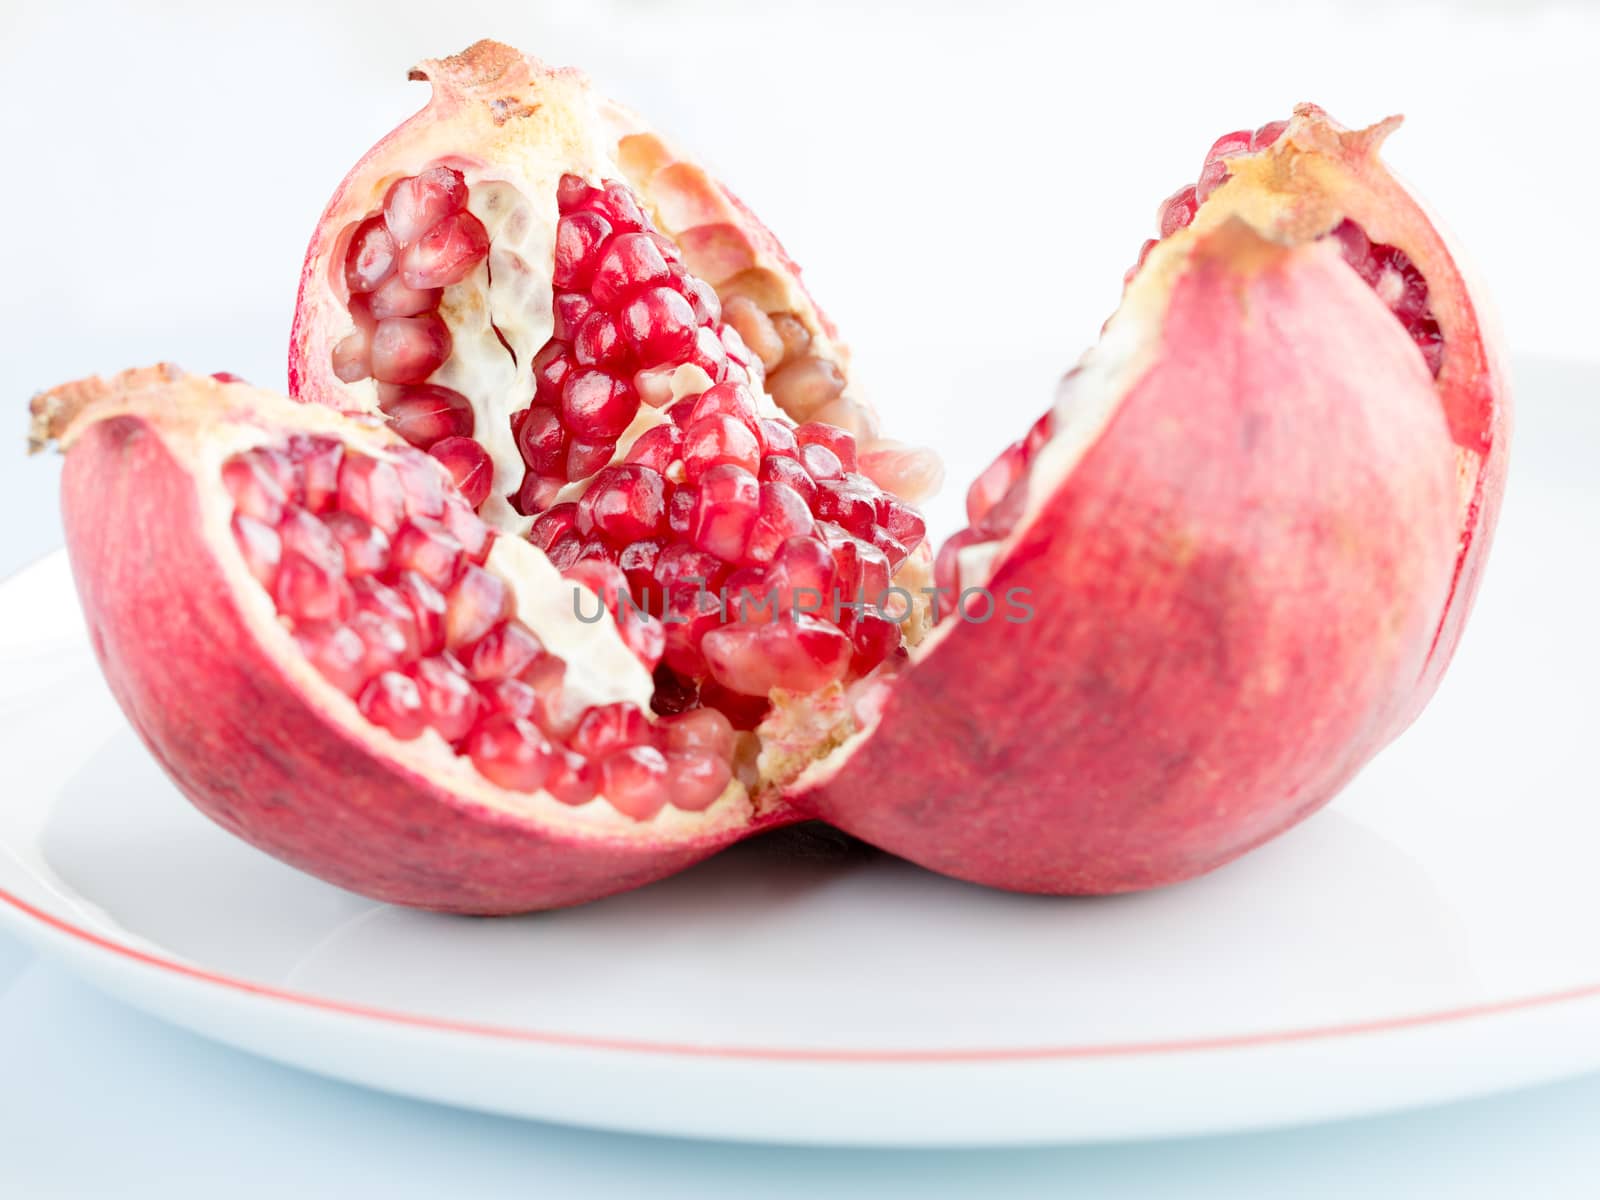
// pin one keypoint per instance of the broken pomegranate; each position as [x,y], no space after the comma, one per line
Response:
[583,557]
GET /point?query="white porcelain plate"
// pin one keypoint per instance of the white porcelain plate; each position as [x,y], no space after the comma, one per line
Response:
[1429,936]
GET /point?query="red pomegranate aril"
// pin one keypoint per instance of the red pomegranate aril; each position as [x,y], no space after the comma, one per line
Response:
[565,550]
[475,604]
[903,523]
[571,309]
[695,780]
[428,413]
[843,445]
[690,615]
[308,591]
[821,462]
[371,488]
[745,712]
[584,458]
[336,652]
[848,504]
[863,569]
[511,697]
[711,357]
[546,677]
[802,576]
[352,357]
[553,523]
[541,441]
[409,349]
[428,608]
[469,465]
[383,642]
[626,504]
[378,598]
[777,437]
[634,781]
[596,406]
[391,700]
[782,514]
[370,258]
[474,537]
[551,366]
[618,203]
[255,490]
[657,447]
[446,253]
[319,460]
[365,546]
[431,552]
[725,511]
[718,438]
[1177,210]
[571,779]
[1267,134]
[947,569]
[450,704]
[511,753]
[422,482]
[659,325]
[261,547]
[501,653]
[609,727]
[418,203]
[776,468]
[800,655]
[875,638]
[628,263]
[571,191]
[579,237]
[536,493]
[637,561]
[396,298]
[599,342]
[702,729]
[702,297]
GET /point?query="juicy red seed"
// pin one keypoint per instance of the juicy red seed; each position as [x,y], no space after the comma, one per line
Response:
[1212,176]
[815,433]
[628,263]
[848,504]
[475,604]
[637,562]
[704,729]
[464,525]
[261,546]
[428,609]
[618,203]
[802,655]
[782,514]
[572,779]
[469,465]
[947,569]
[680,510]
[821,462]
[381,600]
[337,653]
[502,652]
[596,406]
[599,342]
[365,546]
[409,349]
[371,488]
[551,366]
[585,458]
[715,439]
[609,727]
[578,241]
[552,523]
[745,712]
[423,483]
[255,490]
[1268,134]
[571,309]
[512,697]
[802,575]
[710,356]
[446,253]
[634,781]
[702,297]
[370,258]
[383,641]
[450,703]
[564,551]
[660,326]
[689,616]
[393,701]
[416,204]
[778,438]
[397,299]
[304,535]
[904,524]
[428,413]
[725,511]
[778,469]
[657,447]
[625,504]
[1177,210]
[511,753]
[696,779]
[874,638]
[1238,142]
[541,441]
[571,191]
[430,552]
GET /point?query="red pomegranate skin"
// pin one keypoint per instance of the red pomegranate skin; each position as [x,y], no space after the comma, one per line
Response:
[245,745]
[1236,590]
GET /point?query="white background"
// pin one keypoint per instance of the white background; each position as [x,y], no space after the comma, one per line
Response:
[965,186]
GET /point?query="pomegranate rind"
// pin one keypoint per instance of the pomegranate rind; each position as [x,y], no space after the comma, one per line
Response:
[1318,173]
[248,731]
[1236,556]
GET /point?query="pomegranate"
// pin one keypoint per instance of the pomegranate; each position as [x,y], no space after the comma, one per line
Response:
[585,558]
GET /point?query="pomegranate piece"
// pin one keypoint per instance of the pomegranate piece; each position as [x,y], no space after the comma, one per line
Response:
[511,753]
[802,654]
[469,467]
[445,253]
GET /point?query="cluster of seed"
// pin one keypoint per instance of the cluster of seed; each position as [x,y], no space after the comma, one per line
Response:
[378,568]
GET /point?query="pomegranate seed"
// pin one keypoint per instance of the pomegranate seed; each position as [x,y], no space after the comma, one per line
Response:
[319,460]
[660,326]
[847,503]
[863,569]
[725,511]
[782,514]
[821,462]
[352,357]
[450,704]
[536,494]
[475,604]
[778,438]
[746,712]
[545,678]
[502,652]
[430,552]
[903,523]
[371,488]
[596,406]
[710,355]
[512,697]
[542,441]
[468,464]
[778,469]
[599,342]
[552,523]
[1268,134]
[461,523]
[1177,210]
[428,413]
[261,547]
[409,349]
[387,603]
[416,204]
[689,616]
[947,570]
[695,780]
[634,781]
[571,191]
[627,263]
[365,546]
[656,447]
[801,655]
[680,510]
[609,727]
[585,458]
[565,550]
[718,438]
[802,576]
[655,385]
[383,642]
[571,780]
[1212,176]
[392,701]
[843,445]
[370,258]
[702,297]
[446,253]
[511,753]
[422,481]
[703,729]
[579,237]
[336,652]
[396,298]
[255,490]
[625,504]
[428,610]
[571,309]
[551,366]
[874,637]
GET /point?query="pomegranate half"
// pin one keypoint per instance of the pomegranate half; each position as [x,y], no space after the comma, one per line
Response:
[586,558]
